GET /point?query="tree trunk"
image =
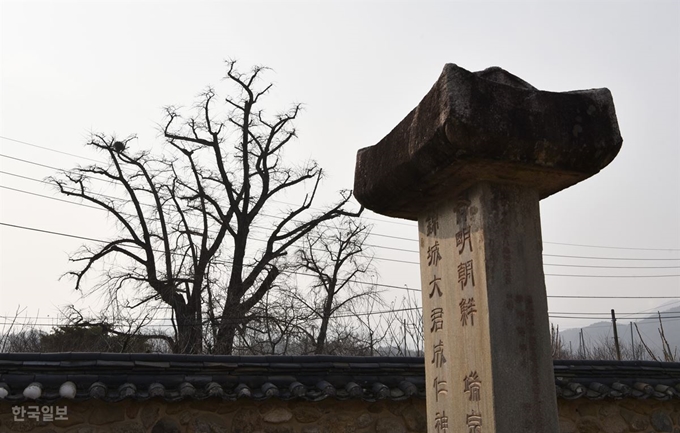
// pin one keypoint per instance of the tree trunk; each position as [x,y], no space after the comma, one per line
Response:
[325,319]
[227,329]
[189,332]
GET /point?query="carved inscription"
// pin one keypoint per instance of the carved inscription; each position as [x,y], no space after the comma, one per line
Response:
[438,357]
[474,422]
[437,317]
[472,386]
[435,287]
[467,311]
[439,388]
[431,224]
[433,256]
[441,422]
[465,274]
[462,237]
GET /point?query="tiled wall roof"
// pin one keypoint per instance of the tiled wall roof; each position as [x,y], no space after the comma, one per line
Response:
[112,377]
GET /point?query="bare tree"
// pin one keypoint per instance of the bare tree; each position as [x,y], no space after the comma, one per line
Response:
[335,257]
[195,220]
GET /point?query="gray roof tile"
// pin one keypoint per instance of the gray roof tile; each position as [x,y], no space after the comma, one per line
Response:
[113,377]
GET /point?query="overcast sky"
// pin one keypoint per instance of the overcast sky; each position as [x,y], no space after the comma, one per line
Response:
[69,68]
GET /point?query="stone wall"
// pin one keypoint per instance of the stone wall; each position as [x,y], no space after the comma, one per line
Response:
[619,416]
[328,416]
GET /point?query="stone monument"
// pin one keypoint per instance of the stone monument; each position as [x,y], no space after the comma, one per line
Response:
[470,164]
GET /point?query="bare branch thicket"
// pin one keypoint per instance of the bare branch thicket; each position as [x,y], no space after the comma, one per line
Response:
[374,326]
[188,212]
[605,348]
[669,355]
[338,263]
[401,337]
[20,334]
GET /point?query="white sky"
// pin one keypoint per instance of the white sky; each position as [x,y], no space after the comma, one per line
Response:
[69,68]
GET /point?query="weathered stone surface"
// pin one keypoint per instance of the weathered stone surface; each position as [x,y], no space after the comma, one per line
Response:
[414,419]
[508,345]
[175,408]
[278,429]
[71,419]
[83,407]
[635,421]
[246,420]
[377,407]
[186,417]
[166,425]
[589,424]
[567,426]
[267,405]
[149,414]
[338,423]
[127,427]
[577,416]
[614,424]
[365,420]
[661,422]
[209,405]
[107,415]
[7,422]
[307,413]
[81,429]
[277,415]
[132,409]
[390,425]
[487,125]
[208,423]
[586,408]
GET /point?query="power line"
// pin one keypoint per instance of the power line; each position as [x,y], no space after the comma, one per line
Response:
[410,224]
[612,267]
[639,313]
[376,234]
[51,198]
[30,322]
[605,258]
[612,276]
[145,204]
[102,162]
[411,262]
[401,261]
[29,162]
[49,149]
[51,232]
[612,248]
[358,282]
[610,297]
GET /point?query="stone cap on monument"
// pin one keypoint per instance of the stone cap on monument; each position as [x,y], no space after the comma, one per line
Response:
[486,126]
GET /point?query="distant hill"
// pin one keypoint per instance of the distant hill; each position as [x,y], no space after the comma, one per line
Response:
[602,333]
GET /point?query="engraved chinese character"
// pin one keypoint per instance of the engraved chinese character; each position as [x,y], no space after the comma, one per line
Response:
[437,316]
[438,357]
[439,387]
[472,385]
[467,311]
[435,287]
[474,422]
[465,273]
[431,224]
[441,422]
[433,256]
[461,237]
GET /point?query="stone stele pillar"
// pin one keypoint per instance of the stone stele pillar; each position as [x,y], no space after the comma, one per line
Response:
[470,164]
